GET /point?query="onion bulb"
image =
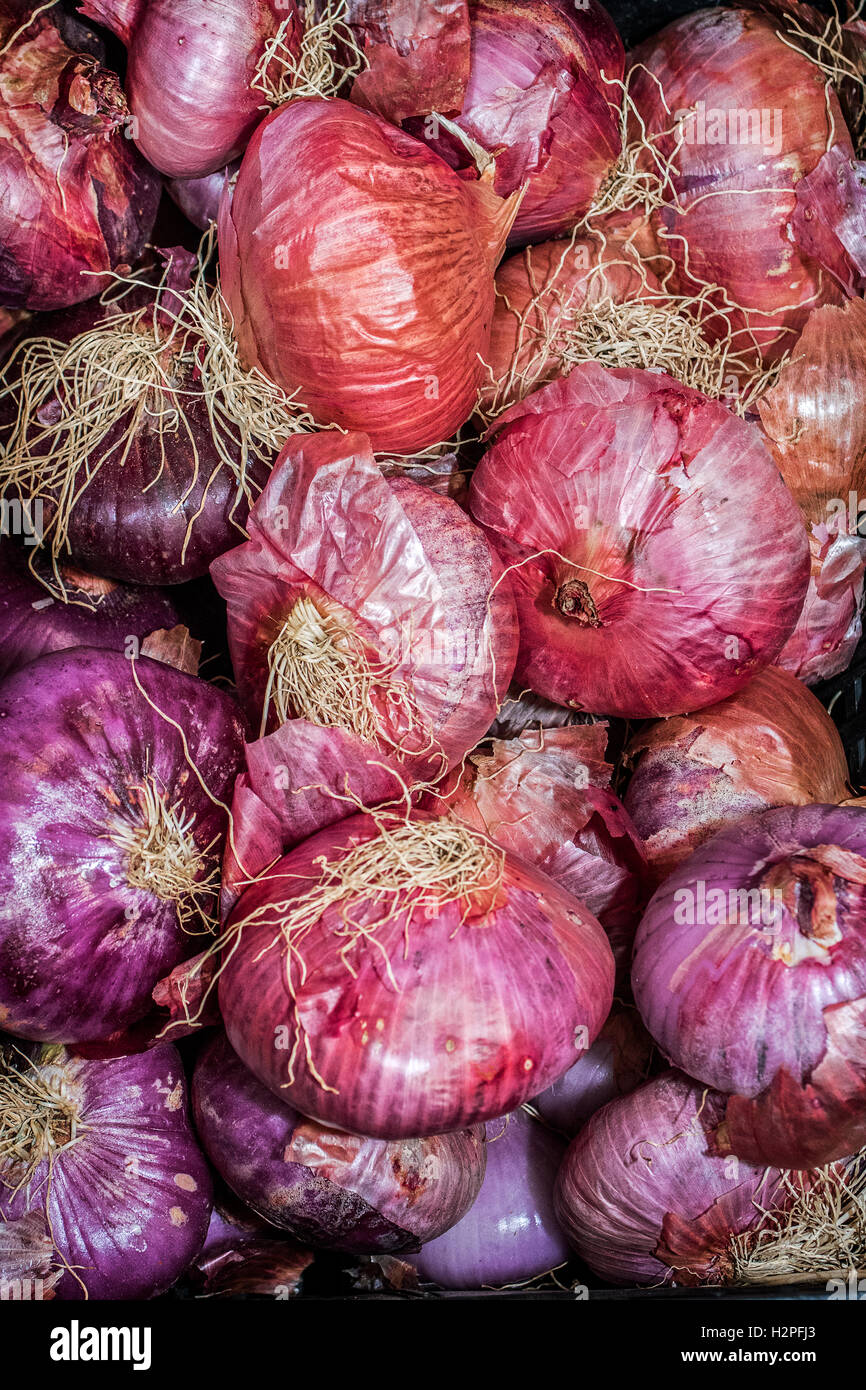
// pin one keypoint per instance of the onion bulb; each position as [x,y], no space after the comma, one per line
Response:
[617,1062]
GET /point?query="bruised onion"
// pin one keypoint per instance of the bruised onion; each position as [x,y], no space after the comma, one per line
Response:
[112,816]
[510,1232]
[770,744]
[104,1150]
[399,976]
[543,103]
[358,269]
[326,1187]
[617,1062]
[78,200]
[367,604]
[750,973]
[657,559]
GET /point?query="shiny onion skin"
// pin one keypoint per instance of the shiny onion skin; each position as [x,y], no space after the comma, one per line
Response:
[681,559]
[484,1014]
[401,567]
[98,613]
[773,1015]
[538,103]
[81,947]
[128,1200]
[724,229]
[417,54]
[327,1188]
[199,199]
[77,198]
[770,744]
[510,1232]
[547,798]
[188,79]
[359,271]
[644,1199]
[616,1064]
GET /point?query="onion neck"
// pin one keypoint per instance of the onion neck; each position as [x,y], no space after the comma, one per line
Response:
[574,600]
[813,888]
[90,99]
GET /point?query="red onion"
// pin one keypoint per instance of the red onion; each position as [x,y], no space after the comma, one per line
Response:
[369,605]
[325,1187]
[417,55]
[510,1232]
[77,198]
[97,613]
[359,272]
[617,1062]
[109,842]
[744,118]
[545,797]
[644,1199]
[244,1255]
[750,973]
[771,744]
[199,199]
[610,492]
[542,101]
[398,977]
[829,627]
[105,1151]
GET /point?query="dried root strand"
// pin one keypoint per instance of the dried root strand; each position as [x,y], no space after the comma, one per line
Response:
[642,178]
[328,58]
[827,50]
[38,1120]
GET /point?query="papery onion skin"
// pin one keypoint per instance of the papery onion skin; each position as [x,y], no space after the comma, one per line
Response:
[191,63]
[244,1255]
[78,199]
[830,626]
[128,1201]
[632,479]
[358,269]
[644,1200]
[81,948]
[103,614]
[722,230]
[510,1233]
[772,1014]
[484,1015]
[328,1188]
[404,568]
[523,711]
[615,1064]
[26,1258]
[770,744]
[538,102]
[417,56]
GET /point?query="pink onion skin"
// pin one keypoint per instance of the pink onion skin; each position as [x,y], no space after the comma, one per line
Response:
[632,476]
[512,999]
[199,199]
[359,272]
[81,739]
[510,1232]
[327,1188]
[78,199]
[33,624]
[640,1209]
[770,744]
[129,1201]
[615,1064]
[830,625]
[733,60]
[191,63]
[411,574]
[537,100]
[784,1041]
[417,56]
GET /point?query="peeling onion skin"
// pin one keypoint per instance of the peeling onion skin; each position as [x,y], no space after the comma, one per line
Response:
[78,198]
[329,1189]
[80,947]
[358,269]
[732,59]
[785,1042]
[770,744]
[509,994]
[510,1232]
[129,1201]
[830,626]
[642,1210]
[615,1064]
[635,479]
[417,56]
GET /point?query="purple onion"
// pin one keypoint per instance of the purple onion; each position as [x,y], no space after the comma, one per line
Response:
[244,1255]
[510,1233]
[330,1189]
[108,1156]
[99,612]
[616,1062]
[109,844]
[199,199]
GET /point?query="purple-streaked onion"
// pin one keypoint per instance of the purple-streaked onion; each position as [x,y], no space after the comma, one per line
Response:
[614,1065]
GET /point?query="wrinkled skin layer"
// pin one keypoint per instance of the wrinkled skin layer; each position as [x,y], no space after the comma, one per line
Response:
[325,1187]
[417,54]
